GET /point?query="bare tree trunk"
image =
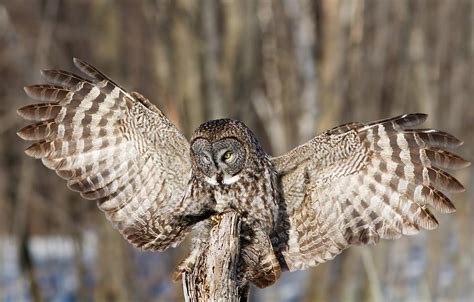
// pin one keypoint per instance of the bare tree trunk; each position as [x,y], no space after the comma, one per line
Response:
[113,274]
[21,229]
[214,274]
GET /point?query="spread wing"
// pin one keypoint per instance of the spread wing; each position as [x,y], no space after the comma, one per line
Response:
[360,182]
[114,147]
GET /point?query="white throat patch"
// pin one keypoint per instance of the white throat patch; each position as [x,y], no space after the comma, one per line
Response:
[211,180]
[226,181]
[231,180]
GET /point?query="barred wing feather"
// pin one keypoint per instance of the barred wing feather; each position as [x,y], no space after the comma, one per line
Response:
[114,147]
[358,183]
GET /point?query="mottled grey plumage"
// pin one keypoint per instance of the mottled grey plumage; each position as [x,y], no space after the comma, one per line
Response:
[353,184]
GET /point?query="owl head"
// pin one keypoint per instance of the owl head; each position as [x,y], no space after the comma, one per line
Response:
[222,149]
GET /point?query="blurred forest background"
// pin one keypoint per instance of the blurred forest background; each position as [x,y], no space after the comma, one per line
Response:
[288,69]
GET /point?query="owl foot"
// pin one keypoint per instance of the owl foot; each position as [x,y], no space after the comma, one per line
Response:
[216,219]
[178,272]
[186,266]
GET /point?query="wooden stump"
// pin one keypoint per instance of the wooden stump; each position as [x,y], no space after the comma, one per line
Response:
[214,275]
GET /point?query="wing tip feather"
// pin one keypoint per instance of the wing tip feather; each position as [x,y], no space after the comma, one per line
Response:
[410,119]
[416,117]
[32,152]
[49,74]
[22,133]
[22,112]
[30,91]
[82,65]
[77,61]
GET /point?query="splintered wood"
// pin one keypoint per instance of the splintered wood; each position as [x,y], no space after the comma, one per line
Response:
[214,274]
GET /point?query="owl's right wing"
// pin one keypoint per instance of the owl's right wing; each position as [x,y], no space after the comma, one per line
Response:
[360,182]
[114,147]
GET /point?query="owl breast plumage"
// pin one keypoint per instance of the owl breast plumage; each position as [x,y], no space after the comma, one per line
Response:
[250,188]
[353,184]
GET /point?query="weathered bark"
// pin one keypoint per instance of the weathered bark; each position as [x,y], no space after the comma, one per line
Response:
[214,276]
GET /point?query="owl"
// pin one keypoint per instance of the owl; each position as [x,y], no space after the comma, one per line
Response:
[353,184]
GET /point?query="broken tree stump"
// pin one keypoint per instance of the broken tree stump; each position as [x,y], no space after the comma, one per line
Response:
[214,275]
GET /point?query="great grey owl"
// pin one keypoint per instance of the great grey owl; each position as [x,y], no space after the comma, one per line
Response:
[353,184]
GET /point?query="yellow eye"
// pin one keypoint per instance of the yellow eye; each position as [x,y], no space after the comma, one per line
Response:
[227,155]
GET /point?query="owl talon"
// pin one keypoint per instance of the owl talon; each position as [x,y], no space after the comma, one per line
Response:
[216,219]
[182,268]
[187,265]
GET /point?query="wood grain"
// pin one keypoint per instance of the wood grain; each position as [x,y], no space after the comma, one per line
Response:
[214,276]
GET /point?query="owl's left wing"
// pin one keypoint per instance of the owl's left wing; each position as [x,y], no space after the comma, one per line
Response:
[358,182]
[116,148]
